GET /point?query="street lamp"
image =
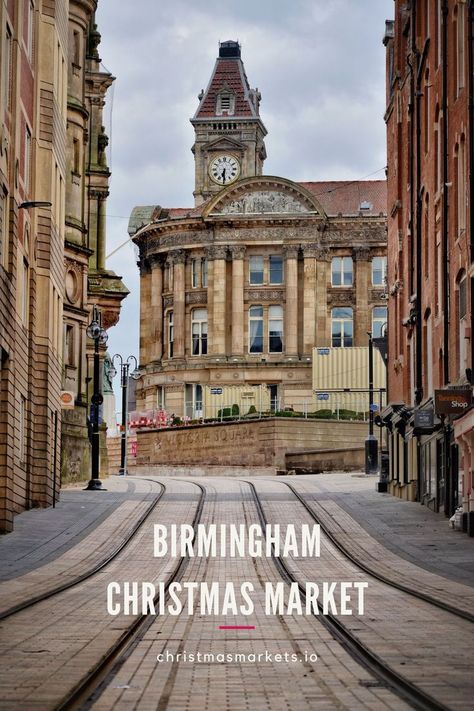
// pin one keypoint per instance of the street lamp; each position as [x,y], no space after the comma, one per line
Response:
[99,336]
[124,368]
[371,444]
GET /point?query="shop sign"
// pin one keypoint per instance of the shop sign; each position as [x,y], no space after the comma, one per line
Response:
[452,402]
[424,419]
[66,399]
[322,396]
[216,391]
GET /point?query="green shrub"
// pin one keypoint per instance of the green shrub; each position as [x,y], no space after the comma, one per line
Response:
[235,410]
[252,410]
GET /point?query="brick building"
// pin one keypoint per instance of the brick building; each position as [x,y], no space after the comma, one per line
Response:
[237,290]
[48,138]
[430,252]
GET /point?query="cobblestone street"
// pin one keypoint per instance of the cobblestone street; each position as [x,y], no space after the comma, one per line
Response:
[64,647]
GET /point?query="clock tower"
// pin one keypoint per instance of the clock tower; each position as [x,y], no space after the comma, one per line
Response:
[228,129]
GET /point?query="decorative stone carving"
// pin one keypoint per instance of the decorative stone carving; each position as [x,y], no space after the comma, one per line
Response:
[176,256]
[341,298]
[310,249]
[143,266]
[291,251]
[361,254]
[216,251]
[265,294]
[155,261]
[196,297]
[323,254]
[167,301]
[237,251]
[262,202]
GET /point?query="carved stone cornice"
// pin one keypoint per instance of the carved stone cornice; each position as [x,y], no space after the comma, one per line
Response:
[291,251]
[237,251]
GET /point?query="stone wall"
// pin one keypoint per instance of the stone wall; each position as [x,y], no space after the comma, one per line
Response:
[261,443]
[323,460]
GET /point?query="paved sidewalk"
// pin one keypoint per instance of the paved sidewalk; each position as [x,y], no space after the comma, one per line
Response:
[406,528]
[42,535]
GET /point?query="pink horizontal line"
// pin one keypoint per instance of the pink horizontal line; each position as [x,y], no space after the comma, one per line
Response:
[236,627]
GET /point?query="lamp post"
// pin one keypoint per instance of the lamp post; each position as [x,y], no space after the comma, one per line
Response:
[99,336]
[124,372]
[371,444]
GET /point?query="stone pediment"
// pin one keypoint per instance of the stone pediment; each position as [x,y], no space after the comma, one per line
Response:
[264,196]
[225,144]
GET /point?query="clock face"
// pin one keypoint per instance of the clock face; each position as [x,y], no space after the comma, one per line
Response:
[224,169]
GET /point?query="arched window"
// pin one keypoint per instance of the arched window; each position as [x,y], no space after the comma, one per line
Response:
[275,329]
[170,334]
[462,324]
[379,321]
[199,331]
[256,329]
[342,327]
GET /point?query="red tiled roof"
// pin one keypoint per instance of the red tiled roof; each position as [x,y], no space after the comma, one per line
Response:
[347,196]
[228,73]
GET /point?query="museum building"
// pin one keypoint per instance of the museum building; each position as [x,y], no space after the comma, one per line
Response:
[236,291]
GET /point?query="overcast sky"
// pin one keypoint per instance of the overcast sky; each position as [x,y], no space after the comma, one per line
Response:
[319,65]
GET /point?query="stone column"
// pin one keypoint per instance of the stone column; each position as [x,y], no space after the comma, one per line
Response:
[323,334]
[310,252]
[238,253]
[145,309]
[217,255]
[156,313]
[291,311]
[178,258]
[362,317]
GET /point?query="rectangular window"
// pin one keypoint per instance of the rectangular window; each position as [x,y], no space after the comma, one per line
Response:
[7,68]
[460,43]
[170,334]
[462,298]
[379,321]
[275,329]
[69,354]
[276,269]
[199,331]
[195,273]
[22,429]
[256,329]
[29,29]
[256,270]
[203,271]
[24,296]
[342,327]
[3,228]
[160,397]
[379,271]
[341,270]
[27,170]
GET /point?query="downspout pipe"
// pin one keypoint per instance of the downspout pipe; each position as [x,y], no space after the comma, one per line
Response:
[445,222]
[470,61]
[421,61]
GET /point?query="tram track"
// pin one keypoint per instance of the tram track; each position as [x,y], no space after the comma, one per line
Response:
[426,597]
[30,602]
[90,684]
[360,652]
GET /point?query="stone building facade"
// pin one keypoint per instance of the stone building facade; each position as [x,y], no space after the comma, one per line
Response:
[45,247]
[237,290]
[430,225]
